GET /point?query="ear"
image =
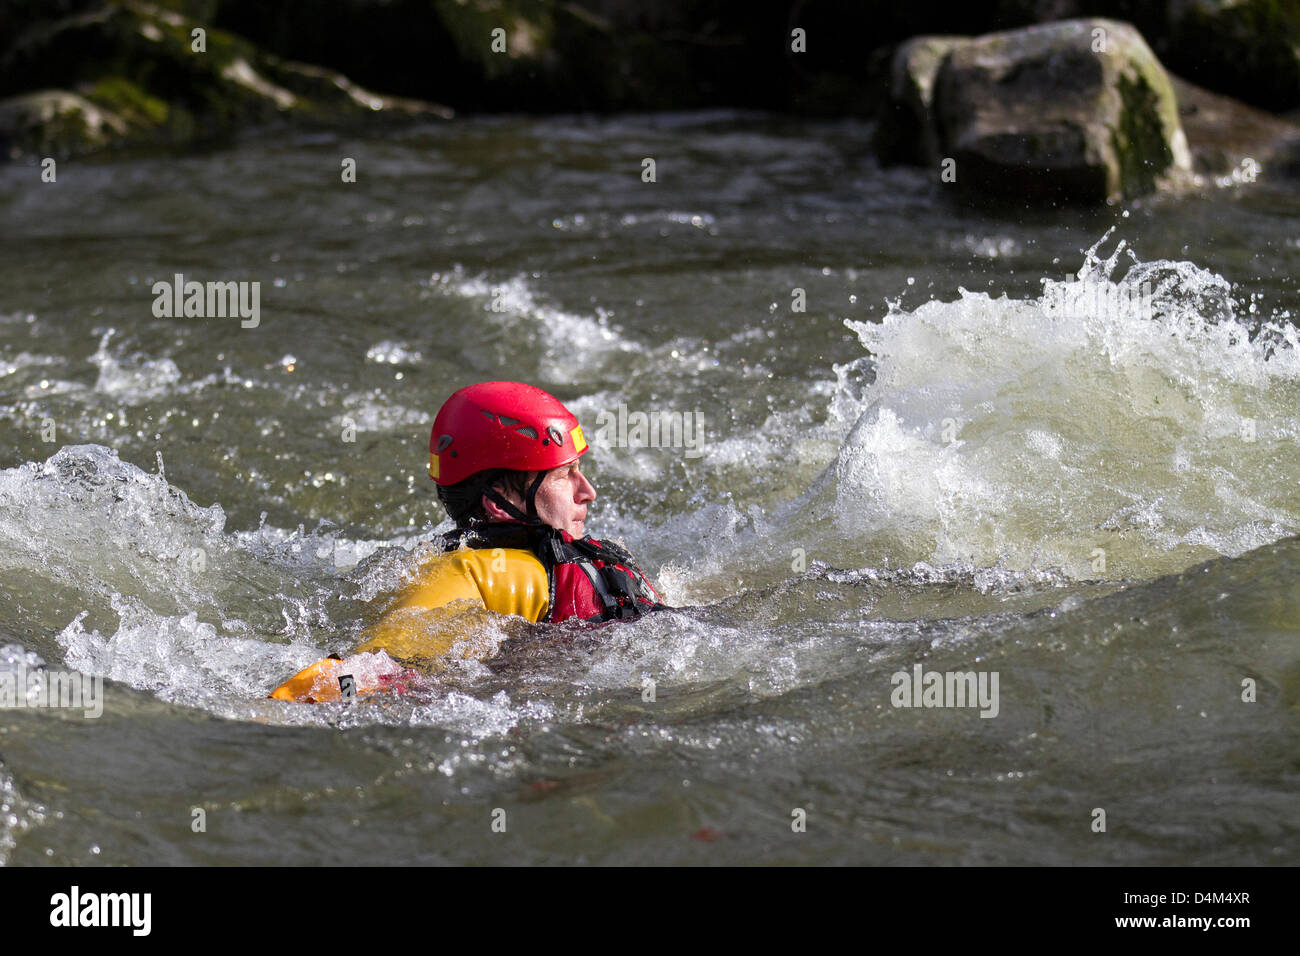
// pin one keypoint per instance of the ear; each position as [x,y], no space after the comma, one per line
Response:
[494,511]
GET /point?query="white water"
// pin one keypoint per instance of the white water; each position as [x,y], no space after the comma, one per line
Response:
[995,444]
[1032,433]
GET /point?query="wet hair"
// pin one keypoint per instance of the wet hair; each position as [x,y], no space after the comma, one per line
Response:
[464,500]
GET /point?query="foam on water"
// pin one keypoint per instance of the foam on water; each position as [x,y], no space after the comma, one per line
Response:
[184,661]
[1138,415]
[680,649]
[179,636]
[102,525]
[368,413]
[211,619]
[389,352]
[986,445]
[136,377]
[569,346]
[180,658]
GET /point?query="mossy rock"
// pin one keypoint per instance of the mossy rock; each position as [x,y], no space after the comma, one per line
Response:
[157,76]
[56,123]
[130,102]
[1078,110]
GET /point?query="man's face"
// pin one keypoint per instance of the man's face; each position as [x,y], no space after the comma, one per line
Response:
[563,497]
[562,500]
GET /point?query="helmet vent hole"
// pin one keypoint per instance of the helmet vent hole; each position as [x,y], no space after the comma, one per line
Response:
[492,418]
[443,442]
[528,432]
[508,421]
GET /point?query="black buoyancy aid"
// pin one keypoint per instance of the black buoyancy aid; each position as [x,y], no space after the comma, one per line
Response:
[588,579]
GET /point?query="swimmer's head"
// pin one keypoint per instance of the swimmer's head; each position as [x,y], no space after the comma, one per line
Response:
[503,451]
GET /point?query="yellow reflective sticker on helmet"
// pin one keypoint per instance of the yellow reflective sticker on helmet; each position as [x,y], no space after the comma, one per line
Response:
[579,443]
[433,466]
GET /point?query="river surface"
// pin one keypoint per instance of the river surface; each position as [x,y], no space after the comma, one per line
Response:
[1060,446]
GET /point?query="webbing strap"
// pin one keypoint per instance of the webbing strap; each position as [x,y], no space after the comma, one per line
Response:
[598,584]
[493,495]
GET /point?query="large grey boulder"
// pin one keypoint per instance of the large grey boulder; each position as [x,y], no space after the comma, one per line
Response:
[1076,110]
[905,131]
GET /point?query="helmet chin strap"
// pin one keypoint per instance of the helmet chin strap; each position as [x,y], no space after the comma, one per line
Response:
[505,505]
[531,497]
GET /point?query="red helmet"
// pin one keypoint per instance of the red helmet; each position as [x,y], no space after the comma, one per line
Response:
[502,425]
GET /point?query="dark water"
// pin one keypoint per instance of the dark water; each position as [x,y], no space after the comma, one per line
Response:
[980,448]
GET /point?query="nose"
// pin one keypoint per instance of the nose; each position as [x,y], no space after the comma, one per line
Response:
[586,491]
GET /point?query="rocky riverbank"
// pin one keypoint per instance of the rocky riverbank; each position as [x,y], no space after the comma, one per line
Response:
[1022,98]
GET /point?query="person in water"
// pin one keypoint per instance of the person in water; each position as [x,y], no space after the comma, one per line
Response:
[505,457]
